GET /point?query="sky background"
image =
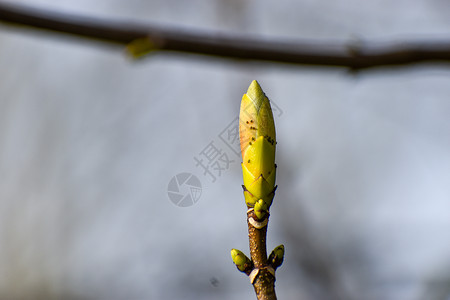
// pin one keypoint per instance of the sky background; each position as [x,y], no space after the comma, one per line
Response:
[91,139]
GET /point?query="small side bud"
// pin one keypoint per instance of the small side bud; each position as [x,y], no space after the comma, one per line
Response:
[261,209]
[276,257]
[242,262]
[140,47]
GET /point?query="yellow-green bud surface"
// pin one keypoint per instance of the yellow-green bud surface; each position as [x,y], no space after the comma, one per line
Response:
[140,47]
[240,259]
[260,209]
[258,140]
[277,256]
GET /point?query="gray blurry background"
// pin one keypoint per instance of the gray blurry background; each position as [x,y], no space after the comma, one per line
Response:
[90,140]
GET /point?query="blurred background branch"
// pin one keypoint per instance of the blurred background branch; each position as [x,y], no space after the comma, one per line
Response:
[355,55]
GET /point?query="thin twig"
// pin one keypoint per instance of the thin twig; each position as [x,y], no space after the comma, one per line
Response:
[264,283]
[355,56]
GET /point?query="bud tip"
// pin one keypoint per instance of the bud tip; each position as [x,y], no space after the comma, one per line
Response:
[256,93]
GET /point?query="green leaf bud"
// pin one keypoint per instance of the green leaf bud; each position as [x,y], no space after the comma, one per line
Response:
[276,257]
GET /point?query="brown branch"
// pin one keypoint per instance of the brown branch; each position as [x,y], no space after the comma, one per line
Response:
[356,57]
[264,283]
